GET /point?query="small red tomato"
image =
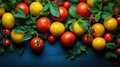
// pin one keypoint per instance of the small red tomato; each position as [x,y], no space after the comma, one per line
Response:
[93,18]
[66,4]
[87,38]
[118,41]
[81,0]
[24,7]
[51,39]
[117,11]
[26,2]
[82,9]
[6,43]
[118,19]
[7,31]
[108,37]
[67,39]
[37,44]
[43,24]
[63,15]
[118,51]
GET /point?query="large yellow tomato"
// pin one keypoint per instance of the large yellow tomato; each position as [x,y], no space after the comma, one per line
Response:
[57,28]
[90,3]
[17,37]
[8,20]
[110,24]
[2,11]
[35,8]
[99,43]
[98,29]
[77,29]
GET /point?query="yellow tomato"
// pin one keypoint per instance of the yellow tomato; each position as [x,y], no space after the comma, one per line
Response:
[57,28]
[77,29]
[17,37]
[90,3]
[2,11]
[110,24]
[98,29]
[8,20]
[35,8]
[99,43]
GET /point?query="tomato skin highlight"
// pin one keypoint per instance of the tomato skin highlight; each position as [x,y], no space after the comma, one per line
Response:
[118,51]
[37,44]
[108,37]
[67,39]
[43,24]
[6,43]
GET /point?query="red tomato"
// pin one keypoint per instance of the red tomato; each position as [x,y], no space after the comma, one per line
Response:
[7,31]
[118,51]
[63,15]
[81,0]
[108,37]
[87,38]
[6,43]
[82,9]
[24,7]
[93,18]
[118,19]
[117,11]
[67,39]
[37,44]
[43,24]
[51,39]
[26,2]
[118,41]
[66,4]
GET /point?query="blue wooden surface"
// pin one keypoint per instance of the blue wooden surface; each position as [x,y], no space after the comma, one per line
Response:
[54,55]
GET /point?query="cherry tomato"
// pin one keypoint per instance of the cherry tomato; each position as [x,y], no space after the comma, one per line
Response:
[24,7]
[118,51]
[87,38]
[118,19]
[51,39]
[26,2]
[63,15]
[118,41]
[108,37]
[43,24]
[82,9]
[67,39]
[6,43]
[37,44]
[117,11]
[66,4]
[7,31]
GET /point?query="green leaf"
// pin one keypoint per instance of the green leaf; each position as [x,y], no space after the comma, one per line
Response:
[20,50]
[69,22]
[54,10]
[109,7]
[94,2]
[111,54]
[106,15]
[93,10]
[79,52]
[73,55]
[11,48]
[83,48]
[2,50]
[46,7]
[111,46]
[21,29]
[99,5]
[71,27]
[83,24]
[74,1]
[97,17]
[27,36]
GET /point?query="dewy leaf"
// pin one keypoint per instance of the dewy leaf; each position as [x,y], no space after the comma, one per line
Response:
[106,15]
[111,46]
[46,7]
[54,10]
[97,17]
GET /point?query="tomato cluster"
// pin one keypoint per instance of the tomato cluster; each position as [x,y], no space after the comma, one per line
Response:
[88,21]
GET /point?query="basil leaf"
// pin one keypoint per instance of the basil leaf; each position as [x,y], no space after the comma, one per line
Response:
[111,54]
[27,36]
[54,10]
[46,7]
[93,10]
[2,50]
[21,29]
[11,48]
[111,46]
[106,15]
[97,17]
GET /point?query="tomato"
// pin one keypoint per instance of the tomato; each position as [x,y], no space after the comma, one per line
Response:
[117,11]
[66,4]
[57,28]
[26,2]
[35,8]
[87,38]
[8,20]
[63,15]
[43,24]
[6,43]
[110,24]
[90,3]
[93,18]
[24,7]
[98,43]
[82,9]
[118,19]
[51,39]
[2,11]
[108,37]
[7,31]
[98,29]
[37,43]
[17,37]
[67,39]
[118,41]
[118,51]
[81,0]
[77,29]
